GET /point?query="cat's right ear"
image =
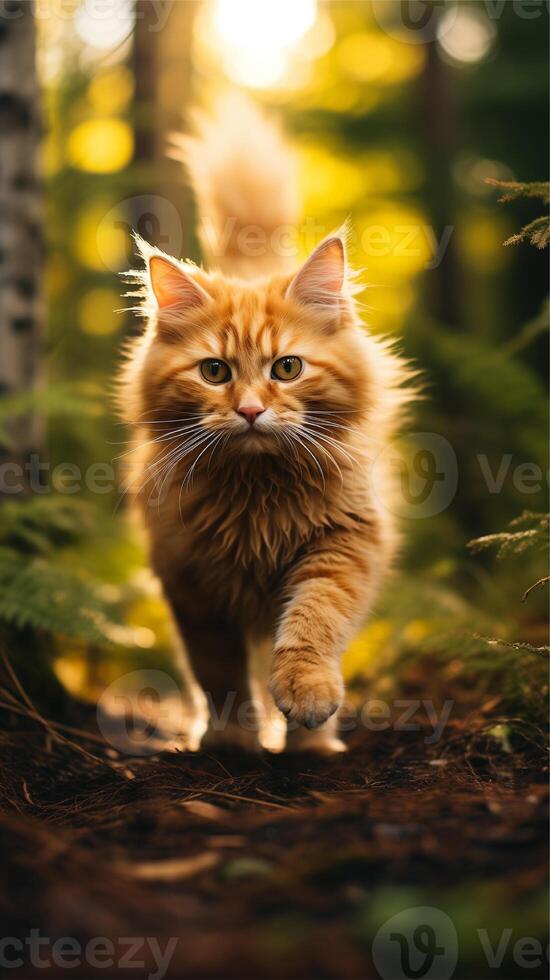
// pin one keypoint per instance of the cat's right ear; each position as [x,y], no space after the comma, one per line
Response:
[320,281]
[172,286]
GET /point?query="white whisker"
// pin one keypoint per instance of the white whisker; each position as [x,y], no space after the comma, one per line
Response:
[173,434]
[323,449]
[299,442]
[180,454]
[348,453]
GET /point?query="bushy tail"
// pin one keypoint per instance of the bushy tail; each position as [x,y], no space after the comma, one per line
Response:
[244,178]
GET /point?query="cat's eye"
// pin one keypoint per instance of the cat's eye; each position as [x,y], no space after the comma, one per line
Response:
[215,372]
[286,368]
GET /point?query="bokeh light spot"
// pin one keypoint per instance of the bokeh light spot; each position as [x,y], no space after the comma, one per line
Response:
[99,244]
[97,311]
[101,146]
[110,91]
[104,25]
[465,35]
[370,57]
[255,41]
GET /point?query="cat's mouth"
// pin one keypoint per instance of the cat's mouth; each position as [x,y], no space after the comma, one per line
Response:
[254,440]
[253,434]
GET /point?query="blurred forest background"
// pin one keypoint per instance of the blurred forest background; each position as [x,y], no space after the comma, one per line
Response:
[398,129]
[410,131]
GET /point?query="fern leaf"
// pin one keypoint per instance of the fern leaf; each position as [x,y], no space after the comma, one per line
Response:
[43,594]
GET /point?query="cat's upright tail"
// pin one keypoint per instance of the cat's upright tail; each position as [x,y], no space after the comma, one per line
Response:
[244,177]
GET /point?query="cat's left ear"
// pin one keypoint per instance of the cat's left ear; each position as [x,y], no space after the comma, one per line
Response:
[320,281]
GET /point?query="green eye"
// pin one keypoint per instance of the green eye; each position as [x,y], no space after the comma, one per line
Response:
[215,372]
[287,368]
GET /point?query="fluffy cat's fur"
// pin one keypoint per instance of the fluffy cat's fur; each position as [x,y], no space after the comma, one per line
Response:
[267,537]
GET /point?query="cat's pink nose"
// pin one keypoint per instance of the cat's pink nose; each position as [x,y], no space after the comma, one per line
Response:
[250,412]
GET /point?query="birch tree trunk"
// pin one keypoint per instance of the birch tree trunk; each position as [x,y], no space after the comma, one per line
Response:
[21,236]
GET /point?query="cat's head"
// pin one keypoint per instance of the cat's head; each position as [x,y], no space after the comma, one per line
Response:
[275,366]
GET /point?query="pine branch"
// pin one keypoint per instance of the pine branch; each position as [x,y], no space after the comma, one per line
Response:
[516,542]
[537,232]
[515,189]
[537,585]
[543,652]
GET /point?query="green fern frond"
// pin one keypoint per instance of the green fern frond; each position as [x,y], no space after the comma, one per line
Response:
[39,524]
[40,593]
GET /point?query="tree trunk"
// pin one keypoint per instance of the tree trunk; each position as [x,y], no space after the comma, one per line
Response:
[162,72]
[21,238]
[439,131]
[21,299]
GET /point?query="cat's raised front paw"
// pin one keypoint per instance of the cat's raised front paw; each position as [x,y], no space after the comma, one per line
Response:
[307,695]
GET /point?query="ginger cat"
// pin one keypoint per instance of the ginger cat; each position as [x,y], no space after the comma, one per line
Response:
[259,402]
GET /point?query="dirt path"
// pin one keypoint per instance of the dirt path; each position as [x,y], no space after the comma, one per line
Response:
[278,867]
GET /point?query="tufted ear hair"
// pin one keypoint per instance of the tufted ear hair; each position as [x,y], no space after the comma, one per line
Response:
[320,280]
[172,285]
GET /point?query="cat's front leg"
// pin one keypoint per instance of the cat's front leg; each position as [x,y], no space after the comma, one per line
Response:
[216,651]
[328,594]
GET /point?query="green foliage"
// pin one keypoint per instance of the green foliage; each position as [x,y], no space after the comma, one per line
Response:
[39,592]
[527,532]
[530,331]
[40,524]
[38,589]
[54,401]
[462,622]
[482,396]
[536,232]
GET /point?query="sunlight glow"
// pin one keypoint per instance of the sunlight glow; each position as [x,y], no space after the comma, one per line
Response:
[256,37]
[105,25]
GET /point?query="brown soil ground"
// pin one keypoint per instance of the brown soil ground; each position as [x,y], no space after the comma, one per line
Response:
[275,867]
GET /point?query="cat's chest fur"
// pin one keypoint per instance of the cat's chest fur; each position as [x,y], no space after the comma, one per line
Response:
[239,528]
[253,520]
